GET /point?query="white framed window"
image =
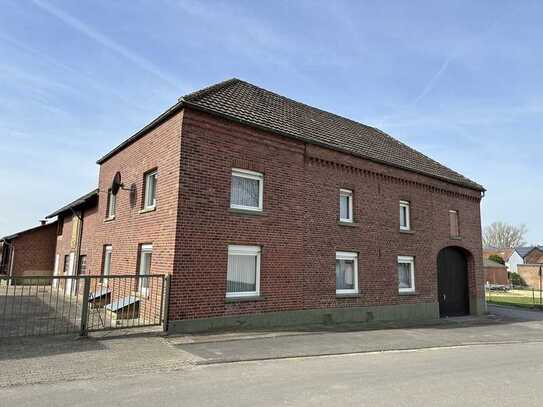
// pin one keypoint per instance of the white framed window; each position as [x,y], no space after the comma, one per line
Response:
[247,190]
[111,204]
[453,223]
[406,274]
[346,205]
[346,273]
[405,215]
[243,273]
[106,263]
[146,255]
[149,183]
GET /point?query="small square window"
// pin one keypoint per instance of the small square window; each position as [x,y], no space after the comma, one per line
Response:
[405,216]
[346,205]
[346,273]
[111,204]
[406,274]
[246,191]
[149,185]
[453,223]
[243,273]
[146,254]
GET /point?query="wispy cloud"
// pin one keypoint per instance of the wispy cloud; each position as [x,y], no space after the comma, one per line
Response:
[107,42]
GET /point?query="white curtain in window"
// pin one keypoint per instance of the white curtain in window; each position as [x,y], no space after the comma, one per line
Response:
[241,275]
[344,274]
[404,273]
[145,267]
[150,189]
[344,207]
[244,191]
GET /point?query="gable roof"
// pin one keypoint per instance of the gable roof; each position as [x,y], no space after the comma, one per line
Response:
[87,198]
[492,263]
[526,250]
[505,254]
[32,229]
[243,102]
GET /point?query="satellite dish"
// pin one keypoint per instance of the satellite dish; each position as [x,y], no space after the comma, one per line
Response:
[116,184]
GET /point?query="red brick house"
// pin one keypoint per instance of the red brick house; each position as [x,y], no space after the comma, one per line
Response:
[74,235]
[266,211]
[29,253]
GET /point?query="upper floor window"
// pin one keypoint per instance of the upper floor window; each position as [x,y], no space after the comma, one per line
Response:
[406,274]
[60,225]
[405,216]
[243,272]
[82,267]
[146,254]
[453,223]
[111,204]
[345,205]
[149,188]
[346,273]
[246,190]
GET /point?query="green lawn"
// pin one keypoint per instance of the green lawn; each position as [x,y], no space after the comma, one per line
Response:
[516,298]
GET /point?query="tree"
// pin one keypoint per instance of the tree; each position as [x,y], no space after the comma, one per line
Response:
[496,258]
[500,235]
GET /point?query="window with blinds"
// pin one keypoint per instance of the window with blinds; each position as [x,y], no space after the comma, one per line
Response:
[243,271]
[246,191]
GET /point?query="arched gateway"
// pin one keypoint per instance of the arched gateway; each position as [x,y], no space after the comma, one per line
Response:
[452,277]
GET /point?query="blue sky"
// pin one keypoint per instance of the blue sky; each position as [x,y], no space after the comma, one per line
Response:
[458,80]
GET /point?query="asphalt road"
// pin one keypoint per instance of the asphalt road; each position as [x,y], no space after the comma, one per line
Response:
[478,375]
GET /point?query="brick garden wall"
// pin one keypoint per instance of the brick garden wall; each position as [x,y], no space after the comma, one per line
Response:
[530,274]
[34,251]
[298,229]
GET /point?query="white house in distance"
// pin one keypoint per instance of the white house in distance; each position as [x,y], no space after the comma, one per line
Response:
[524,255]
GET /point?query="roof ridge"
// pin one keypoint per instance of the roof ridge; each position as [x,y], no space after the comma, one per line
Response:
[190,97]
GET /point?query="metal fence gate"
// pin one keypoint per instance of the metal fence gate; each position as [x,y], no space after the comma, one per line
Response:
[56,305]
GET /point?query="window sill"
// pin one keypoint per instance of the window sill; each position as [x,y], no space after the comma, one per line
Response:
[352,295]
[407,293]
[348,224]
[111,218]
[246,212]
[149,209]
[455,237]
[244,299]
[407,231]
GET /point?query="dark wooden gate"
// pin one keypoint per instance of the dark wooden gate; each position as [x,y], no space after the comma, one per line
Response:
[452,272]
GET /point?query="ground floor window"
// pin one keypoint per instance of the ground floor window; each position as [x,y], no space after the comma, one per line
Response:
[406,274]
[106,263]
[146,254]
[243,272]
[346,273]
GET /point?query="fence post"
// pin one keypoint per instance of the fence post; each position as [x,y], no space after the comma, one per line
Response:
[166,302]
[84,329]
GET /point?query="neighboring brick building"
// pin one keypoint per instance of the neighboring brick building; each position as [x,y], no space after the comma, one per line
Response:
[495,273]
[74,235]
[267,211]
[30,252]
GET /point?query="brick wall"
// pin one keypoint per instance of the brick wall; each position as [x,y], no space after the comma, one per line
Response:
[496,275]
[534,257]
[530,274]
[34,251]
[298,229]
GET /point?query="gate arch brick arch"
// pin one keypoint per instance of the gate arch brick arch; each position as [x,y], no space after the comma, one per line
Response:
[455,272]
